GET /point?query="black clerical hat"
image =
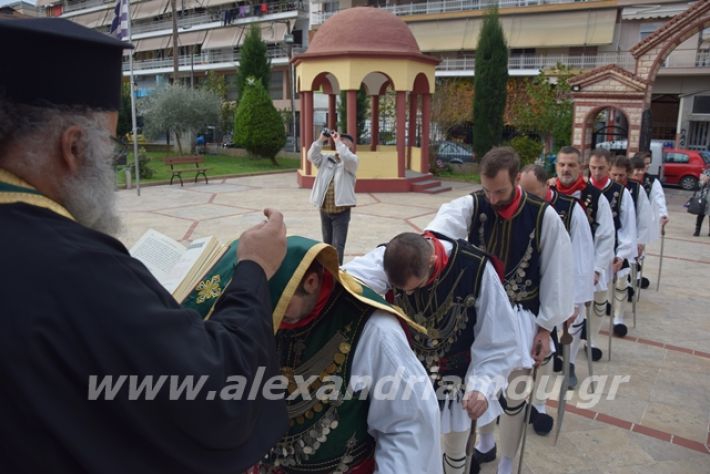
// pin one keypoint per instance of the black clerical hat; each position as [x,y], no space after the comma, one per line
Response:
[56,61]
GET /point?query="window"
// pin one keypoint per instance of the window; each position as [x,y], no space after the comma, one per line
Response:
[677,158]
[276,85]
[646,29]
[701,104]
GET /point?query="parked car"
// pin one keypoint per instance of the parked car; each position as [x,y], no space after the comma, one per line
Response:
[452,152]
[683,167]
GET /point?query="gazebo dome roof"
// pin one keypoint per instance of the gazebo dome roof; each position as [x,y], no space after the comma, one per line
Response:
[363,30]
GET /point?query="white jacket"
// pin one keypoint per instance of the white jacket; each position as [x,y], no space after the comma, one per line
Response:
[343,172]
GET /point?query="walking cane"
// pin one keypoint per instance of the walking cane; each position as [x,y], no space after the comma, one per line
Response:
[471,467]
[528,405]
[588,322]
[611,316]
[635,287]
[660,263]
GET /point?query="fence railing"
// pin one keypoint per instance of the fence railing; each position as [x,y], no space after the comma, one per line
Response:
[205,57]
[518,62]
[424,8]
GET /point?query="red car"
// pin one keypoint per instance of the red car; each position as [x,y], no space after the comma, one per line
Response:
[683,167]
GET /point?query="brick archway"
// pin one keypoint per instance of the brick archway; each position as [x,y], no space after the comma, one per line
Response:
[613,86]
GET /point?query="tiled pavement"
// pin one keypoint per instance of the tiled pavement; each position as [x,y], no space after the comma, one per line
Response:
[659,420]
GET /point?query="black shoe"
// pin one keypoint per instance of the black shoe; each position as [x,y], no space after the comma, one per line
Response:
[475,467]
[557,364]
[608,309]
[630,293]
[488,456]
[596,353]
[542,422]
[696,233]
[620,330]
[572,383]
[645,283]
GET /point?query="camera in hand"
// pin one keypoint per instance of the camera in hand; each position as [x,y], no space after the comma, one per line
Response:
[326,132]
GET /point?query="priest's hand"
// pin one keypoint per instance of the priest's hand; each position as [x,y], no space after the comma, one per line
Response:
[572,318]
[617,264]
[475,404]
[541,346]
[664,221]
[265,243]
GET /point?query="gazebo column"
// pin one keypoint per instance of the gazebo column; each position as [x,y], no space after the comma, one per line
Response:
[412,139]
[352,115]
[331,114]
[400,107]
[302,135]
[426,116]
[308,119]
[375,126]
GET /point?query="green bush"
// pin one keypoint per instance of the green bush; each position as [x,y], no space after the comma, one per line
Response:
[528,148]
[258,126]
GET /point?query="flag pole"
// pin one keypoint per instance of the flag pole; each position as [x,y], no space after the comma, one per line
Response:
[133,103]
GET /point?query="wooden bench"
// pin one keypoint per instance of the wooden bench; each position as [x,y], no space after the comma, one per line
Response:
[186,160]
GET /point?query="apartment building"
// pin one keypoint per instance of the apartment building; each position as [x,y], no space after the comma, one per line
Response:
[578,34]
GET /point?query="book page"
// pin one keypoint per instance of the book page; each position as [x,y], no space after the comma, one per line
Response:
[159,253]
[197,251]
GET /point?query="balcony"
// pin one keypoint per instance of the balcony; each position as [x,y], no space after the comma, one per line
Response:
[446,6]
[202,61]
[520,65]
[276,11]
[75,6]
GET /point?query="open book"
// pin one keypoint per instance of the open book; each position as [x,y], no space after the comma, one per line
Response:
[177,267]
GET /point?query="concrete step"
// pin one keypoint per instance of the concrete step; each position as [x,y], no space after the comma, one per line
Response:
[430,186]
[436,190]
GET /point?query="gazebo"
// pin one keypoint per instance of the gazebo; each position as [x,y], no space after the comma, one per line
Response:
[373,47]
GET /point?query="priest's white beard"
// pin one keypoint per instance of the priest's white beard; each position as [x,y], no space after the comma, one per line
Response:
[89,195]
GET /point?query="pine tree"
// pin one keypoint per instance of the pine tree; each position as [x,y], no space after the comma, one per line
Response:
[253,61]
[258,126]
[490,85]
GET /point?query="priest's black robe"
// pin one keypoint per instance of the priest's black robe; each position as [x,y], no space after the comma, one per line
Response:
[73,304]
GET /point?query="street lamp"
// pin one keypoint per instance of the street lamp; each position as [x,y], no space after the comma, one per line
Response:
[288,40]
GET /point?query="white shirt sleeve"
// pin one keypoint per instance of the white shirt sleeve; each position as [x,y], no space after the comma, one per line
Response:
[644,218]
[494,349]
[453,218]
[404,414]
[604,236]
[556,267]
[658,198]
[370,270]
[583,256]
[350,161]
[626,235]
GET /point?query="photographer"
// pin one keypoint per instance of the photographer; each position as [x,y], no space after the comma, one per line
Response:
[334,188]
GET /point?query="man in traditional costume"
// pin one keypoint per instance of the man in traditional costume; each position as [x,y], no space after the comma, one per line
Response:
[570,182]
[77,307]
[451,288]
[626,251]
[532,251]
[652,185]
[366,404]
[534,180]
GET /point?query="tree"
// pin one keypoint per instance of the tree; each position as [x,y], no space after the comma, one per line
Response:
[217,84]
[451,104]
[490,85]
[258,126]
[125,122]
[363,106]
[180,110]
[253,61]
[547,108]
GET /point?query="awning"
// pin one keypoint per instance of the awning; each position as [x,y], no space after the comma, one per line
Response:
[214,3]
[148,9]
[153,44]
[274,32]
[649,12]
[583,28]
[222,38]
[191,38]
[94,19]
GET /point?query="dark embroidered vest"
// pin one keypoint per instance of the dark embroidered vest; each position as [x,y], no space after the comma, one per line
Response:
[648,180]
[613,193]
[446,308]
[328,432]
[634,189]
[564,205]
[589,199]
[515,243]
